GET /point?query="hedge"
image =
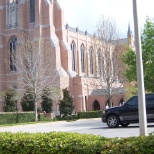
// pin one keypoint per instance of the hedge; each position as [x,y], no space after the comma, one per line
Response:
[90,114]
[72,143]
[13,117]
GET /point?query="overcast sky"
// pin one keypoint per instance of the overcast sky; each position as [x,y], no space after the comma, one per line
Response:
[86,13]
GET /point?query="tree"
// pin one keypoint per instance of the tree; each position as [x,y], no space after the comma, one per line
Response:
[46,100]
[10,101]
[129,58]
[109,68]
[66,105]
[35,66]
[27,102]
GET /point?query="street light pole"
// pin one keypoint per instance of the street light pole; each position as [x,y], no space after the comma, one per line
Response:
[140,75]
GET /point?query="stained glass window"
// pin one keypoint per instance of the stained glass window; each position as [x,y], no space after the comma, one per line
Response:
[13,54]
[91,61]
[82,58]
[32,11]
[99,62]
[73,56]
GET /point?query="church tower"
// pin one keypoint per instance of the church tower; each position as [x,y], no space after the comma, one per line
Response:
[130,37]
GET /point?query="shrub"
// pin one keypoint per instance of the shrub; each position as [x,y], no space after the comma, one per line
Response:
[66,105]
[10,101]
[14,117]
[73,143]
[46,101]
[90,114]
[53,143]
[68,117]
[28,102]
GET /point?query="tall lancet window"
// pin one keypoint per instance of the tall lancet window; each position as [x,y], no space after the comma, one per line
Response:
[11,14]
[82,48]
[99,62]
[91,61]
[32,11]
[13,43]
[73,56]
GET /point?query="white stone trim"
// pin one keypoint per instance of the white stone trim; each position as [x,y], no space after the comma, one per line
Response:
[43,26]
[59,29]
[22,1]
[2,7]
[9,33]
[80,95]
[1,46]
[72,73]
[65,45]
[48,2]
[2,34]
[54,41]
[61,72]
[58,4]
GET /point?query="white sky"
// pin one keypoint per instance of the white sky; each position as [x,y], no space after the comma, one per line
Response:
[85,14]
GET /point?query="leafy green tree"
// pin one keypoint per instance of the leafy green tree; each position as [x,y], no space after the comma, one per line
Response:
[28,101]
[66,105]
[129,57]
[10,100]
[46,101]
[131,89]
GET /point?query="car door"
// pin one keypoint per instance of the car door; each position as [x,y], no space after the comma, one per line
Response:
[130,110]
[150,107]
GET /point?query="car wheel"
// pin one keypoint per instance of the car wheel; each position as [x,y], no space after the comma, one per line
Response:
[113,121]
[124,124]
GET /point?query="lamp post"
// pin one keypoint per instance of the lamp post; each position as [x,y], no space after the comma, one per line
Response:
[140,75]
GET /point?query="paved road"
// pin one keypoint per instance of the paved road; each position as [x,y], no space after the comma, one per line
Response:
[89,126]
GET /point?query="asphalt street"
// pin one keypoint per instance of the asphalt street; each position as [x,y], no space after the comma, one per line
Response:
[85,126]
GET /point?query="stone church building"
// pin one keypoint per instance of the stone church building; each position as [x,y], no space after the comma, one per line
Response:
[71,46]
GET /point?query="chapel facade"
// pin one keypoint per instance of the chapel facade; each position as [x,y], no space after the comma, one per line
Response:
[72,48]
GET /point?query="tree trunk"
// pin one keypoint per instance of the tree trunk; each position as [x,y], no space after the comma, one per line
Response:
[36,116]
[110,102]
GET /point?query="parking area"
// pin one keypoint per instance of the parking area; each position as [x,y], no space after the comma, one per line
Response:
[85,126]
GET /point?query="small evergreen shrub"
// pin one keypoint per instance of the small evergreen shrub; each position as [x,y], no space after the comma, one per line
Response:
[66,105]
[10,101]
[28,101]
[46,103]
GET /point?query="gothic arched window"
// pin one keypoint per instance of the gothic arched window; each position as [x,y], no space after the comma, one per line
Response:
[82,48]
[12,44]
[91,60]
[73,56]
[32,11]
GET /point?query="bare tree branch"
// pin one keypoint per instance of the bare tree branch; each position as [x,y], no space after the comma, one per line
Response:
[109,66]
[35,69]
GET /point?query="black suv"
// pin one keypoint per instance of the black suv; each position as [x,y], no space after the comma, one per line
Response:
[128,112]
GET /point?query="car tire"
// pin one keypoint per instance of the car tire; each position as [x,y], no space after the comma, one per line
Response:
[124,124]
[113,121]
